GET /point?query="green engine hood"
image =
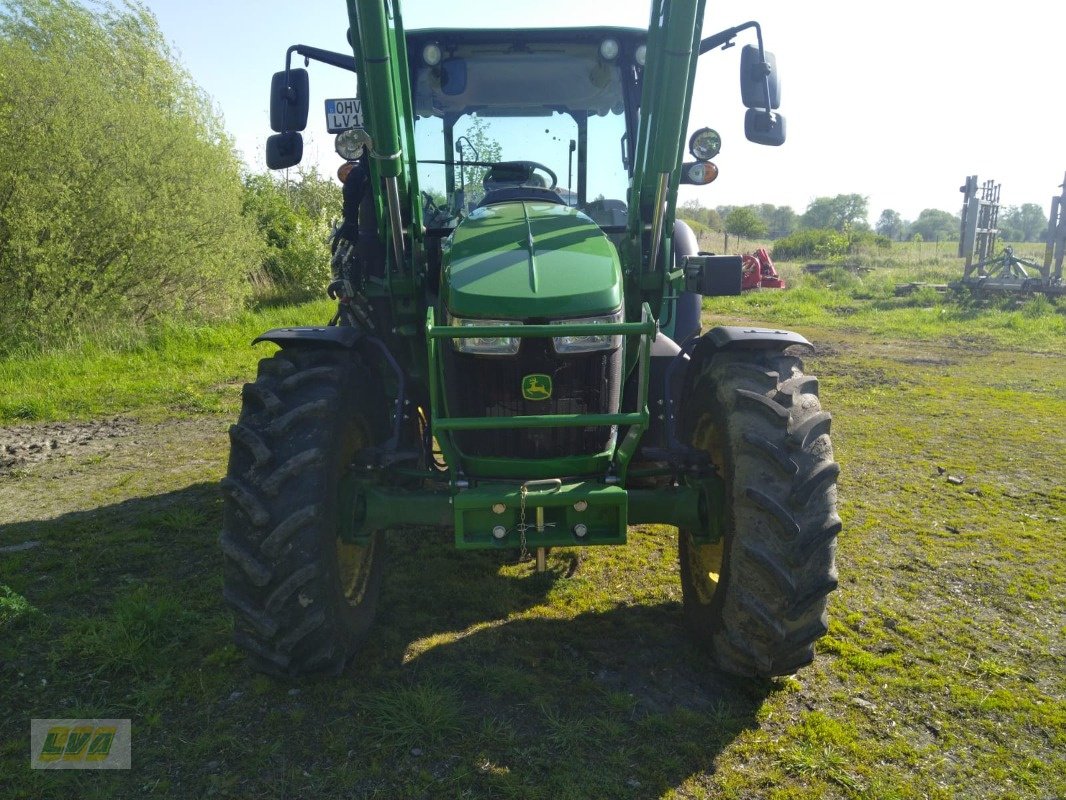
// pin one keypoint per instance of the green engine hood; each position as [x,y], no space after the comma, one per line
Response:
[528,259]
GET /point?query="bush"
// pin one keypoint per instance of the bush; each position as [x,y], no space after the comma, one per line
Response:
[294,222]
[120,193]
[867,240]
[818,243]
[827,244]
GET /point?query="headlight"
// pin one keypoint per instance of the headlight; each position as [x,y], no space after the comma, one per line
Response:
[705,144]
[349,144]
[585,344]
[485,346]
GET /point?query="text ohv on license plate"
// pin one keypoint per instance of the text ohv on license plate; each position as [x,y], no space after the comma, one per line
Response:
[343,113]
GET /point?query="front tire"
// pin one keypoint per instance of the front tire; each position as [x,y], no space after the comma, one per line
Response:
[302,598]
[756,598]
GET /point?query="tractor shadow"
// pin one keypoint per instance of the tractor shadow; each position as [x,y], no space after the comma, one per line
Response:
[613,701]
[609,702]
[603,704]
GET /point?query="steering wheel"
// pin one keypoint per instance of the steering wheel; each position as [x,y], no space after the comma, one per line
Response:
[535,165]
[531,166]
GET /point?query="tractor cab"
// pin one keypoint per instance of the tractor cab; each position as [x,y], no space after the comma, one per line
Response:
[545,115]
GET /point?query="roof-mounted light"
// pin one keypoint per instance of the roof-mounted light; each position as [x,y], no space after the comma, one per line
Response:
[641,55]
[432,54]
[609,49]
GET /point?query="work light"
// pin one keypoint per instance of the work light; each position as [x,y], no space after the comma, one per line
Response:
[431,54]
[350,144]
[705,144]
[609,49]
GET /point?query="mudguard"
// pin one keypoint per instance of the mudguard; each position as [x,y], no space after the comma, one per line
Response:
[341,337]
[734,337]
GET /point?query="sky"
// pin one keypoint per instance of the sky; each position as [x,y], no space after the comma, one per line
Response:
[895,101]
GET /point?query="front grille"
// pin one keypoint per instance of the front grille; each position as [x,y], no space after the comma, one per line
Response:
[491,386]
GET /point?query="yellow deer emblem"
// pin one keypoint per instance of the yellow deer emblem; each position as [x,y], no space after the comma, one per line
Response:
[537,387]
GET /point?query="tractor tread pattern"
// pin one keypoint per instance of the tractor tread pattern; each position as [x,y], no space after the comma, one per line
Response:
[314,408]
[279,560]
[257,571]
[778,454]
[245,436]
[778,570]
[287,528]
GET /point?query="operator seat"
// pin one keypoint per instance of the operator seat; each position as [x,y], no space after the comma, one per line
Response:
[513,193]
[509,181]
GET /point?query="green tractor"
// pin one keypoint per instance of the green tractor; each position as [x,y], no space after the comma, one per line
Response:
[517,355]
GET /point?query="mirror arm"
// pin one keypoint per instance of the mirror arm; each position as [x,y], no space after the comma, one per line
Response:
[764,66]
[724,39]
[325,56]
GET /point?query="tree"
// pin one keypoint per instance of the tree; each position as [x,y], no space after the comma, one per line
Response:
[837,213]
[707,217]
[890,224]
[484,148]
[744,223]
[780,221]
[120,192]
[933,224]
[1026,223]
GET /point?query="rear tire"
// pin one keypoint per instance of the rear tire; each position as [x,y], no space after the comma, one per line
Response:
[757,597]
[302,599]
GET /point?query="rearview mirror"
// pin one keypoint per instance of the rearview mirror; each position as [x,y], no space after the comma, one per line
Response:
[754,75]
[284,150]
[764,127]
[289,99]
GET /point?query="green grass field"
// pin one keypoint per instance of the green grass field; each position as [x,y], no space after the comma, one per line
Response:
[943,674]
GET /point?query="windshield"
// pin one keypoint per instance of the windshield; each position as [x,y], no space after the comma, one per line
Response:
[553,112]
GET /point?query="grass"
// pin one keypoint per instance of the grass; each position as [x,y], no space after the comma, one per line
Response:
[942,675]
[841,299]
[173,369]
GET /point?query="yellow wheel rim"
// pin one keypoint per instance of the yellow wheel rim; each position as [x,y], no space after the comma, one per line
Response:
[705,568]
[705,560]
[353,563]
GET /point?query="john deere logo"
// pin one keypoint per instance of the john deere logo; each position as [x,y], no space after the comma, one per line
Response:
[537,387]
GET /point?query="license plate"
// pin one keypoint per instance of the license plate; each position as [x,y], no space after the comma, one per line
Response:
[343,113]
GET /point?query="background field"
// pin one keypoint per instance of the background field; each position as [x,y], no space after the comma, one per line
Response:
[942,675]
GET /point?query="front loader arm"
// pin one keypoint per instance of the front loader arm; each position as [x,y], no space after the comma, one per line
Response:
[381,63]
[673,49]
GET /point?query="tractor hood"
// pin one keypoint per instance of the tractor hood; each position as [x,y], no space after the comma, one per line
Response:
[526,260]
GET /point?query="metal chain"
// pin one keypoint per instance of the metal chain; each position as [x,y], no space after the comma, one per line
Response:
[523,553]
